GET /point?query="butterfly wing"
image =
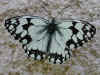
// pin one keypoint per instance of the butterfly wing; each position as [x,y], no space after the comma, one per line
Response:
[79,32]
[26,29]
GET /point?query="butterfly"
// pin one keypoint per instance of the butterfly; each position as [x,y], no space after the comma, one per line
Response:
[51,40]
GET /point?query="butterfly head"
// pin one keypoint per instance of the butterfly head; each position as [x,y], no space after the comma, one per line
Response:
[53,20]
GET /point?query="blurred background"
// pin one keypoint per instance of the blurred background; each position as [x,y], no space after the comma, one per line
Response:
[85,60]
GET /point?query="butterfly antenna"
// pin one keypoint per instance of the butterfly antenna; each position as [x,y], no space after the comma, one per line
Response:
[62,10]
[44,6]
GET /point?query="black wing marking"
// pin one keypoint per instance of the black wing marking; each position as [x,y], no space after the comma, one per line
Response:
[82,32]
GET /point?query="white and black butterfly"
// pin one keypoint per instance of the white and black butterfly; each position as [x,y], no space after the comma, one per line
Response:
[49,39]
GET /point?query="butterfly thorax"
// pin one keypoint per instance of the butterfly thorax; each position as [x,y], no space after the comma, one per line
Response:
[52,27]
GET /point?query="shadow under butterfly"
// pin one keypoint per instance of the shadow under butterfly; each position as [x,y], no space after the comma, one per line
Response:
[51,40]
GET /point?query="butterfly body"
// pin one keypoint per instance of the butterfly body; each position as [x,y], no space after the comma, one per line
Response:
[48,39]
